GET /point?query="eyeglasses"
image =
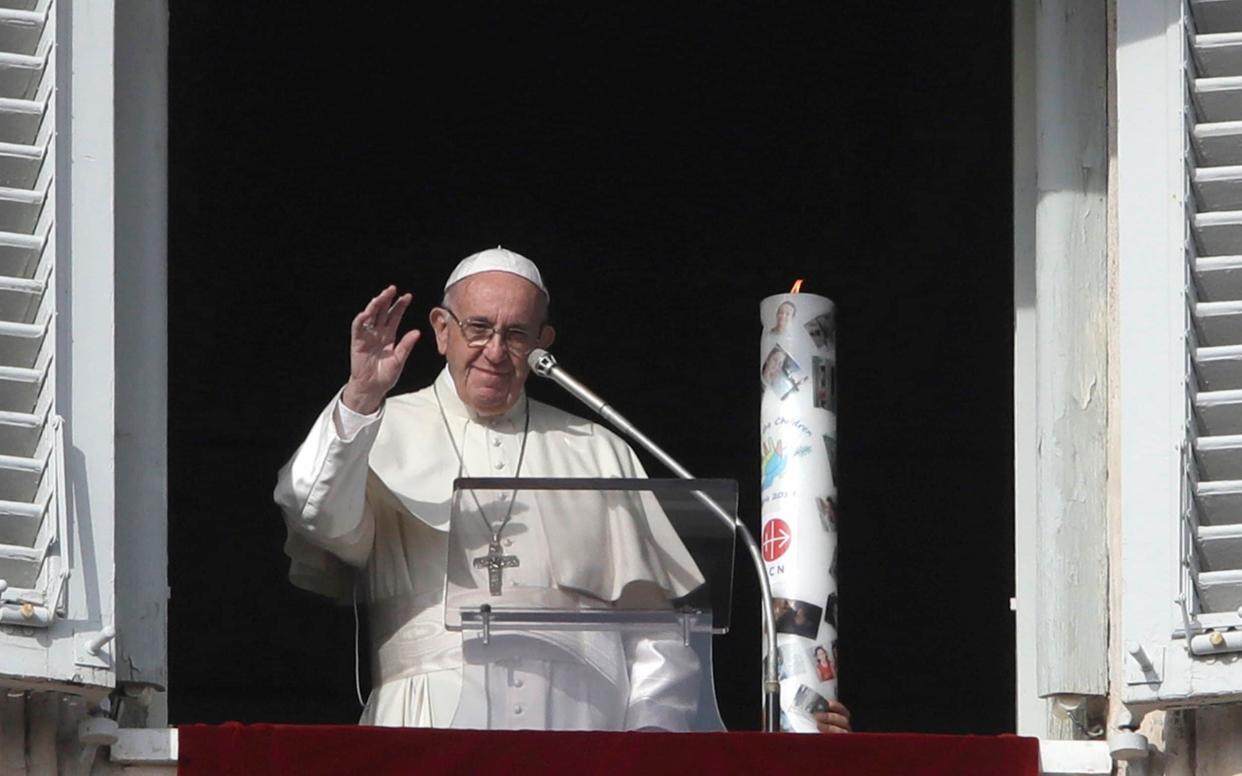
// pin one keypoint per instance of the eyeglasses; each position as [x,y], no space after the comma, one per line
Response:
[516,340]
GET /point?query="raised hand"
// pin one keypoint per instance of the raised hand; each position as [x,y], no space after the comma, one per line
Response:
[376,357]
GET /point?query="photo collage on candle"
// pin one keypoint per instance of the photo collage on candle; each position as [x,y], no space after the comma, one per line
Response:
[781,373]
[798,478]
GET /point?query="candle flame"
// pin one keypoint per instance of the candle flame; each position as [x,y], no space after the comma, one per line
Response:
[797,286]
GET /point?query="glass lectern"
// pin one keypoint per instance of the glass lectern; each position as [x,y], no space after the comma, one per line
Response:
[589,603]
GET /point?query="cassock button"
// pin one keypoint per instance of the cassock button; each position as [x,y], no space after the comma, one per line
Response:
[518,683]
[517,708]
[500,465]
[495,441]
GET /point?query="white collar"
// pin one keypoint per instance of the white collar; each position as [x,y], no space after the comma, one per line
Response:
[446,391]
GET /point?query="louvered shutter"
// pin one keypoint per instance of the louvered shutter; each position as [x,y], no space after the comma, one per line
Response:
[32,494]
[82,332]
[1178,371]
[1213,470]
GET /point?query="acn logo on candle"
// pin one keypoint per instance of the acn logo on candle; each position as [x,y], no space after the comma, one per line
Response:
[776,537]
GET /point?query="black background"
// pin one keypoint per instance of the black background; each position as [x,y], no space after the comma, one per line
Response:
[667,165]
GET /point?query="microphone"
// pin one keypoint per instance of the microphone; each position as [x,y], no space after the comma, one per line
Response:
[544,364]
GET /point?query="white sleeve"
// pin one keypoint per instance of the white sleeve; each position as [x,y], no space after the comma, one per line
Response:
[665,673]
[349,423]
[664,682]
[322,489]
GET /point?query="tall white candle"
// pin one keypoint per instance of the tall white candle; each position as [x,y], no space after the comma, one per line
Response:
[798,439]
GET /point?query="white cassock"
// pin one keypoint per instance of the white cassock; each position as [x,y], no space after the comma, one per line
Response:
[374,493]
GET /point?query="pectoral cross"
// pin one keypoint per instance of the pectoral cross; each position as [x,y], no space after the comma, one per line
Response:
[494,561]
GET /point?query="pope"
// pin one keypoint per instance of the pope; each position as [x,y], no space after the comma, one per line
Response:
[367,496]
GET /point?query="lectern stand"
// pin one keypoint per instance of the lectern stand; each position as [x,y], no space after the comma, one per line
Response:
[589,603]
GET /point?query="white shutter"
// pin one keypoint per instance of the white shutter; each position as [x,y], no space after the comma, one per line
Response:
[82,328]
[1178,370]
[32,558]
[1213,449]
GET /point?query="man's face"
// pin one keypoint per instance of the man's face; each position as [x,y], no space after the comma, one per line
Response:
[489,379]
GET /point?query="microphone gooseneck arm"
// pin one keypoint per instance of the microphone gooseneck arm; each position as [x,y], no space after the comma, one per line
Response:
[544,364]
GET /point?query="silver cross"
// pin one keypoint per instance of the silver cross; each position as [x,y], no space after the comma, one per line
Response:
[494,561]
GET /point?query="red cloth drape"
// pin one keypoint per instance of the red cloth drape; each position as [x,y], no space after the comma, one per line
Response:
[306,750]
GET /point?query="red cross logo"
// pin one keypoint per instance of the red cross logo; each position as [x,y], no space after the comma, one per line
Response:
[775,539]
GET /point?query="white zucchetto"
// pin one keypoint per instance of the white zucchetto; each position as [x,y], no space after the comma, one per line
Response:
[498,259]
